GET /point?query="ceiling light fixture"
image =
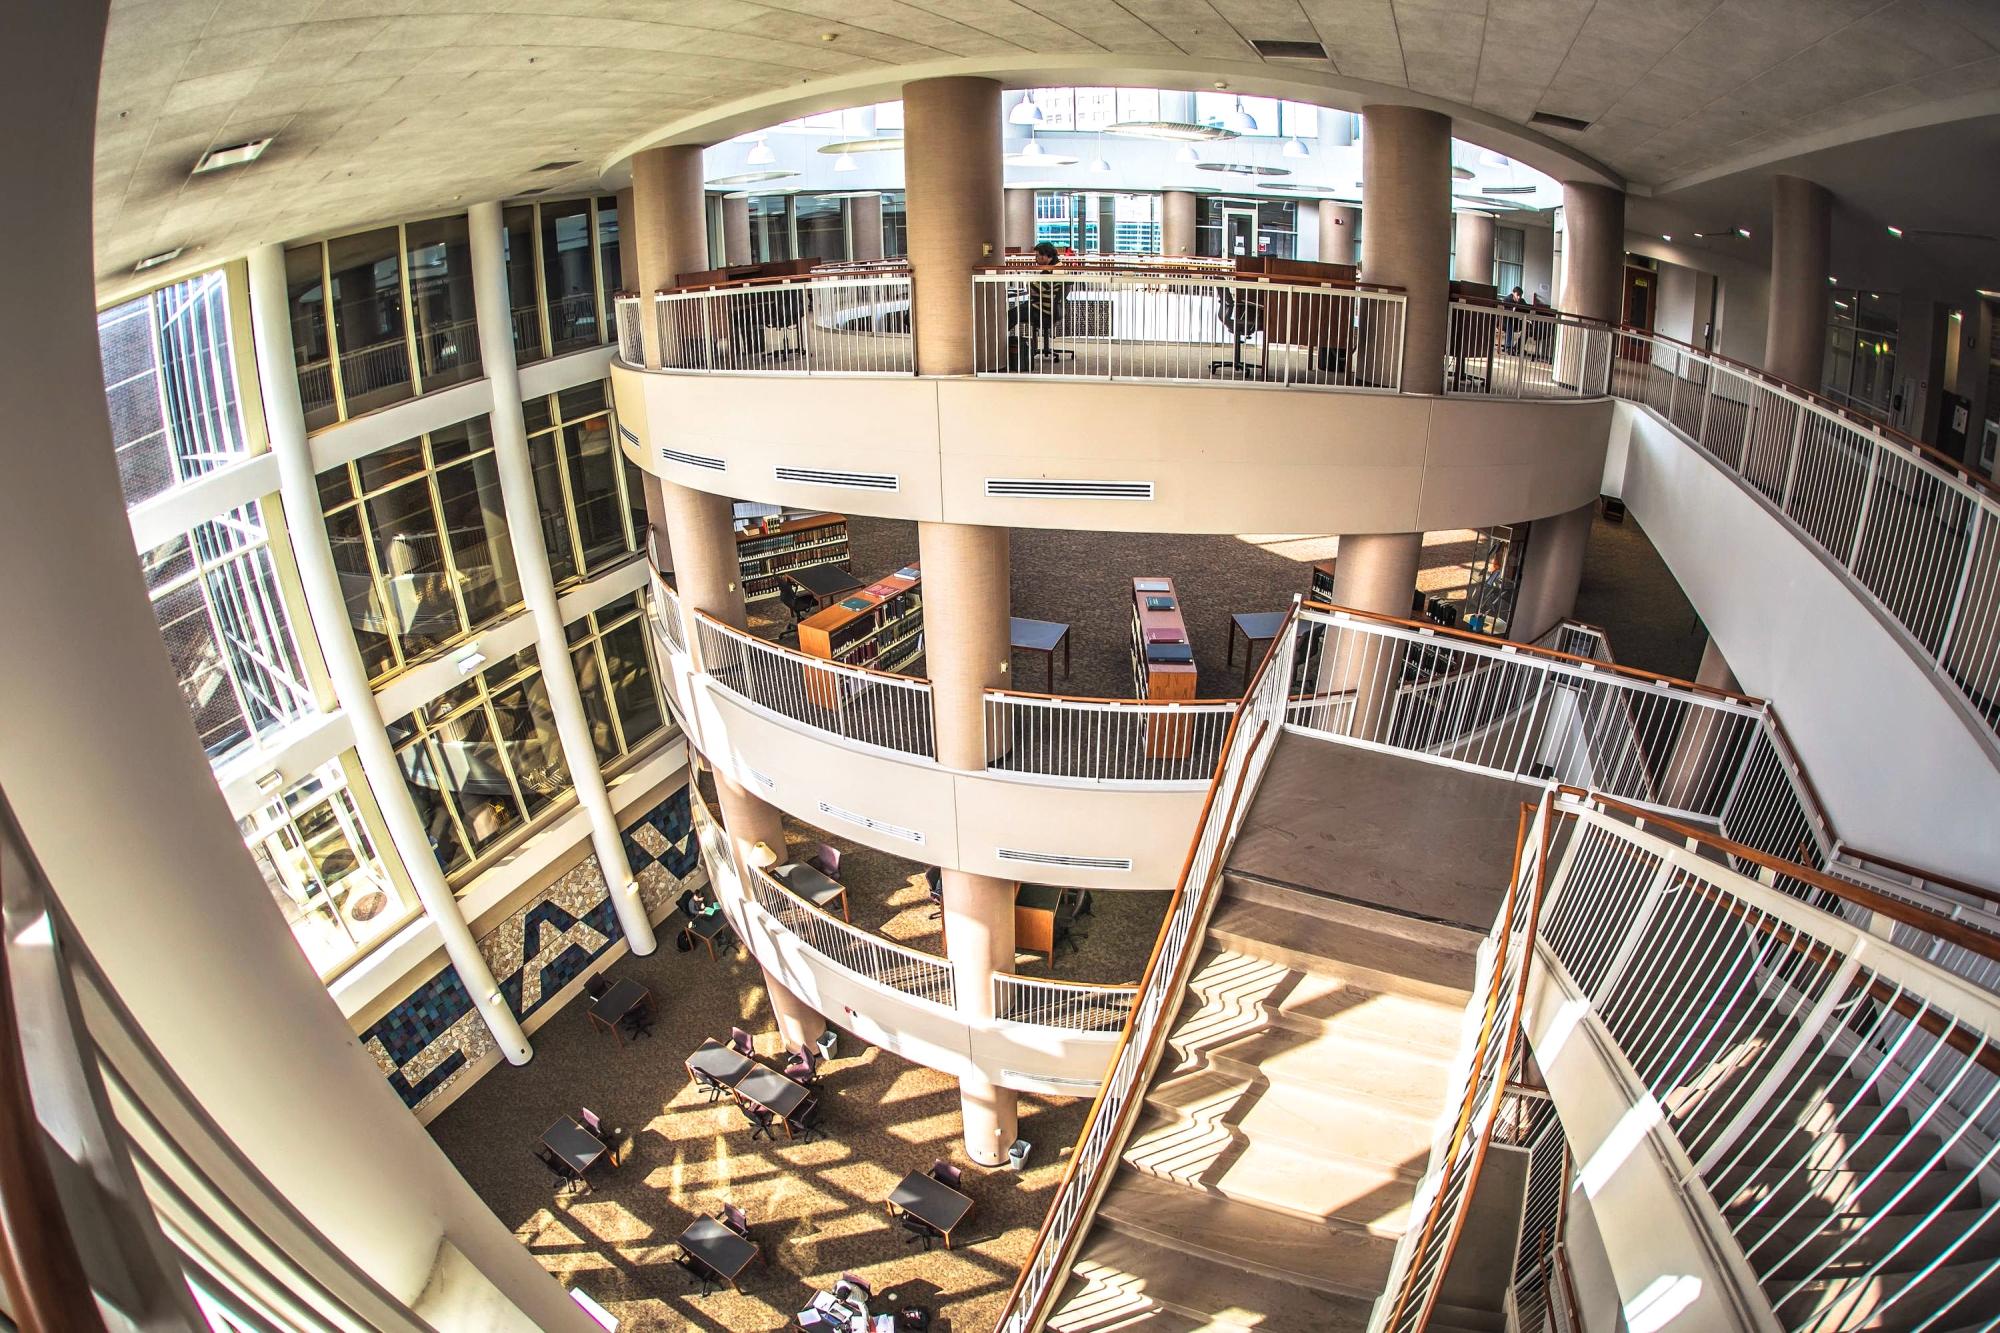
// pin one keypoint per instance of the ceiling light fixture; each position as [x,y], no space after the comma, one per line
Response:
[1168,129]
[1099,164]
[751,177]
[1461,173]
[1031,151]
[1296,147]
[760,154]
[154,261]
[1896,231]
[888,145]
[1025,112]
[1187,156]
[1665,237]
[235,155]
[1831,279]
[845,162]
[1744,232]
[1240,121]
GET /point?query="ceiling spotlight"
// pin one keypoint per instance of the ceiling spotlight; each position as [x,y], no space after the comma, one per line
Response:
[760,154]
[1895,231]
[1025,112]
[1239,120]
[1296,147]
[154,261]
[215,159]
[1187,156]
[1831,279]
[1744,232]
[1665,237]
[845,162]
[1099,164]
[1841,304]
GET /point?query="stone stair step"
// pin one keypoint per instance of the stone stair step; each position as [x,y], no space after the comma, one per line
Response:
[1370,1195]
[1856,1247]
[1449,1318]
[1308,1120]
[1827,1190]
[1333,1064]
[1328,1257]
[1383,963]
[1964,1294]
[1226,1296]
[1237,983]
[1330,906]
[1087,1306]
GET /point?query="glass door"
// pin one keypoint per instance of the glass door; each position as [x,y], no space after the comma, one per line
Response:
[1239,232]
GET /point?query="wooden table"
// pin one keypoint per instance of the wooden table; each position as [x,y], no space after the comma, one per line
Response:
[618,1000]
[1035,919]
[813,885]
[717,1248]
[824,583]
[1044,637]
[707,927]
[1256,627]
[574,1146]
[930,1201]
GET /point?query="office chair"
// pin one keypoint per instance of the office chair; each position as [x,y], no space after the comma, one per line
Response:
[802,1067]
[697,1272]
[733,1218]
[567,1181]
[806,1121]
[594,988]
[934,879]
[1242,313]
[761,1122]
[638,1023]
[826,860]
[743,1043]
[851,1290]
[944,1173]
[782,311]
[709,1085]
[609,1135]
[920,1231]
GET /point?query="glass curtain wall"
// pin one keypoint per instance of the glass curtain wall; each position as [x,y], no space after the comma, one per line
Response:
[483,760]
[1860,362]
[895,224]
[321,867]
[170,384]
[1234,226]
[584,489]
[439,256]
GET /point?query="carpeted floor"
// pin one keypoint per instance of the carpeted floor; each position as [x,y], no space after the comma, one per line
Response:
[815,1208]
[1629,593]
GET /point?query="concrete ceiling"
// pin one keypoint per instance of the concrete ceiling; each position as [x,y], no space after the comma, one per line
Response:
[384,109]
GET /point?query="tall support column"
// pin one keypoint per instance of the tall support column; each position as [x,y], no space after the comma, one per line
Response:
[669,227]
[538,585]
[750,824]
[951,181]
[1801,253]
[735,231]
[1374,572]
[1701,764]
[1594,251]
[1339,224]
[284,419]
[966,649]
[1473,253]
[864,224]
[1550,572]
[1406,166]
[1177,226]
[1019,228]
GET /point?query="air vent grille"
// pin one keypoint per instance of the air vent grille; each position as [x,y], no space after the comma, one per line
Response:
[558,166]
[853,481]
[694,460]
[1556,122]
[627,434]
[1054,1080]
[1060,859]
[761,778]
[1053,488]
[1280,50]
[870,822]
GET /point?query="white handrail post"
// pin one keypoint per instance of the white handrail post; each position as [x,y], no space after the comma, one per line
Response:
[1867,499]
[1978,521]
[1792,451]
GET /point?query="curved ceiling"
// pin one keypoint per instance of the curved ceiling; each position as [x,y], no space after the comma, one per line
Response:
[384,109]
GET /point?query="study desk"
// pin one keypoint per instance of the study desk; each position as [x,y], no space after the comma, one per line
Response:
[1035,919]
[574,1146]
[620,998]
[932,1202]
[717,1248]
[813,885]
[1044,637]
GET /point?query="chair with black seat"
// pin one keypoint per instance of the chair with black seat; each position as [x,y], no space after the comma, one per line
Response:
[743,1043]
[934,881]
[567,1181]
[733,1218]
[806,1122]
[944,1173]
[1242,313]
[709,1084]
[920,1231]
[688,904]
[637,1022]
[696,1270]
[594,988]
[803,607]
[781,311]
[761,1121]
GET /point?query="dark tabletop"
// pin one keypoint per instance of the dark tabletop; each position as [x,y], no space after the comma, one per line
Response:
[619,1000]
[719,1249]
[1045,897]
[578,1148]
[719,1063]
[808,882]
[1259,624]
[1040,636]
[824,581]
[771,1090]
[938,1204]
[709,924]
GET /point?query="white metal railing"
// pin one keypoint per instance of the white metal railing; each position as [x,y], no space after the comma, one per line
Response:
[631,338]
[671,625]
[1838,1097]
[816,325]
[1511,711]
[1578,640]
[871,957]
[1184,325]
[1525,352]
[1105,740]
[1157,1000]
[1073,1005]
[874,708]
[1911,527]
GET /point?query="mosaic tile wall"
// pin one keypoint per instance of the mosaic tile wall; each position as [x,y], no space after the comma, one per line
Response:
[434,1033]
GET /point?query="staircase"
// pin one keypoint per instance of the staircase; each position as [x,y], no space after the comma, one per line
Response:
[1272,1168]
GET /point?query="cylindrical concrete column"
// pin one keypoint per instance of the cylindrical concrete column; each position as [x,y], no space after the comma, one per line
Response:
[1473,253]
[1406,168]
[1701,764]
[979,942]
[1373,572]
[748,823]
[538,585]
[1019,227]
[966,632]
[1177,228]
[284,420]
[951,182]
[735,231]
[864,222]
[1339,224]
[1550,572]
[669,227]
[1594,251]
[701,541]
[1801,253]
[1715,670]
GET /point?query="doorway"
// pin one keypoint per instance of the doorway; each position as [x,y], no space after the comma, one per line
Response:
[1642,288]
[1239,232]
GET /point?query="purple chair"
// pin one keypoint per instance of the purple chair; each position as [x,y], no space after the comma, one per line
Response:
[743,1043]
[827,861]
[944,1173]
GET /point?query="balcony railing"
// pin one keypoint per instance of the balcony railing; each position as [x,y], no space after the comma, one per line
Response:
[1157,1001]
[817,325]
[1103,741]
[1494,351]
[870,957]
[1184,324]
[872,708]
[631,338]
[1911,526]
[1073,1005]
[1577,639]
[669,603]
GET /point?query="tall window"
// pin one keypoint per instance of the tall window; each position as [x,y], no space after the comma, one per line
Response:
[420,539]
[484,759]
[170,384]
[322,869]
[439,255]
[365,276]
[895,225]
[609,262]
[517,248]
[580,485]
[1509,245]
[770,227]
[569,275]
[821,227]
[1859,368]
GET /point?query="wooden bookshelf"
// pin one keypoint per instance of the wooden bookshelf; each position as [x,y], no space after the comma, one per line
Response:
[880,626]
[1162,663]
[1322,582]
[773,546]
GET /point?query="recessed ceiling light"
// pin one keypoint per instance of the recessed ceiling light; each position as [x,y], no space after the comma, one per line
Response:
[558,166]
[154,261]
[235,155]
[1744,232]
[1665,237]
[1895,231]
[1556,122]
[751,177]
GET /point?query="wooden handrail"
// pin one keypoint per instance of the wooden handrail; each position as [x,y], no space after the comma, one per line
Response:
[806,658]
[1096,699]
[1952,882]
[772,280]
[1202,275]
